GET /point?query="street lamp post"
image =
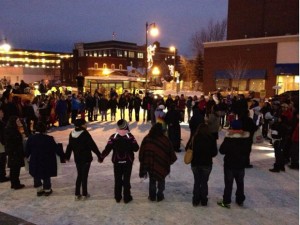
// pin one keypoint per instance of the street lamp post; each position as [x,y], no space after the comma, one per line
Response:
[153,32]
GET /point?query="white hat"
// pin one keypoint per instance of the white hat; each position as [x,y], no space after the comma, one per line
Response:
[161,107]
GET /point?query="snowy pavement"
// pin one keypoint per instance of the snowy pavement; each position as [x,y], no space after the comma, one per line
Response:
[271,198]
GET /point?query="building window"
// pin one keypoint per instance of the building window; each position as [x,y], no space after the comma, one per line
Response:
[104,65]
[100,53]
[131,54]
[140,55]
[125,53]
[256,85]
[120,67]
[104,53]
[96,65]
[119,53]
[95,54]
[113,66]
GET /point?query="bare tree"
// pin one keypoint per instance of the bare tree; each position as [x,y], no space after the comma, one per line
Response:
[215,31]
[187,69]
[237,70]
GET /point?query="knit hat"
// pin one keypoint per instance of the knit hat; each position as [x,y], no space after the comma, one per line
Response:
[161,107]
[236,125]
[79,122]
[122,124]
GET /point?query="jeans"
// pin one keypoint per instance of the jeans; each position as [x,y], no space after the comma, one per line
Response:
[122,172]
[201,176]
[82,178]
[46,183]
[156,188]
[237,175]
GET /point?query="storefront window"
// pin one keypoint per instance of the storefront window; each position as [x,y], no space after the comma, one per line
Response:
[240,85]
[287,83]
[256,85]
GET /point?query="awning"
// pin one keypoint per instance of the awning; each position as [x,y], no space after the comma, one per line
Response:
[287,68]
[248,74]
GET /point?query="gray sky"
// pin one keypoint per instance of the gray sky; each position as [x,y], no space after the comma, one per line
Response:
[57,24]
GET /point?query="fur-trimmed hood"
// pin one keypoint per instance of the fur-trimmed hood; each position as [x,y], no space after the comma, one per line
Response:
[237,134]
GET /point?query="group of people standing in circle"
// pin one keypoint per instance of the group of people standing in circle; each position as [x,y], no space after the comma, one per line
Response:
[156,151]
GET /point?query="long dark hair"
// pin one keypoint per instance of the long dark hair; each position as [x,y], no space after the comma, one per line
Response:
[202,130]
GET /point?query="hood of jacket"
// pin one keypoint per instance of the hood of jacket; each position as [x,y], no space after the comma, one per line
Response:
[122,132]
[76,134]
[237,134]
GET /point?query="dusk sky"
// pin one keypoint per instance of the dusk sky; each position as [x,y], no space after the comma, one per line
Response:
[56,25]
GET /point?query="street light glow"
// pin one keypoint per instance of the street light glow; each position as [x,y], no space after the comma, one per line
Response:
[154,31]
[155,71]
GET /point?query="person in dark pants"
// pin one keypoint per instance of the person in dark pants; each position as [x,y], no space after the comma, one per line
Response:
[41,150]
[123,145]
[3,156]
[249,126]
[137,106]
[279,133]
[204,147]
[172,120]
[156,155]
[234,147]
[82,144]
[15,151]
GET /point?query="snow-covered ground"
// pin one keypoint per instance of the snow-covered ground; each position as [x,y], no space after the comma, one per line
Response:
[271,198]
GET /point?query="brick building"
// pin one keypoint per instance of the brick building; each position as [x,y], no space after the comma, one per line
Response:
[261,50]
[115,64]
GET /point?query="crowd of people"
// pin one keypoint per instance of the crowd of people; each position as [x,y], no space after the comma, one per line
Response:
[277,119]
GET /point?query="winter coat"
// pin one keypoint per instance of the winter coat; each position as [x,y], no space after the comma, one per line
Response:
[137,103]
[103,104]
[155,156]
[123,144]
[41,150]
[75,103]
[204,149]
[112,103]
[234,147]
[2,141]
[122,102]
[14,147]
[213,123]
[82,144]
[61,107]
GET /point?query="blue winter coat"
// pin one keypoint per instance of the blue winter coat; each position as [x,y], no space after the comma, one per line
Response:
[42,150]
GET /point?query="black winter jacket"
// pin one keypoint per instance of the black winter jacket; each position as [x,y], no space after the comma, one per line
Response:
[123,145]
[82,144]
[204,149]
[235,147]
